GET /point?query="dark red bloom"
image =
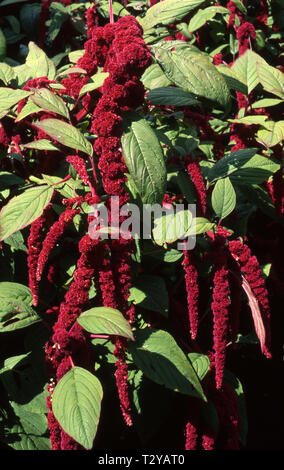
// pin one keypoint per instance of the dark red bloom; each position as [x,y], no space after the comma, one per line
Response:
[191,283]
[51,238]
[79,165]
[244,33]
[251,270]
[193,169]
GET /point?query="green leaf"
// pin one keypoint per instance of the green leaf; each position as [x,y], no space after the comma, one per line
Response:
[9,179]
[156,353]
[245,68]
[171,97]
[266,103]
[239,4]
[201,225]
[28,109]
[74,56]
[193,72]
[271,79]
[150,292]
[200,363]
[10,97]
[12,362]
[42,144]
[97,81]
[65,134]
[171,227]
[154,77]
[168,11]
[7,74]
[251,120]
[234,81]
[223,198]
[272,135]
[15,291]
[48,101]
[22,210]
[145,161]
[105,320]
[202,16]
[243,166]
[76,404]
[16,241]
[39,64]
[15,315]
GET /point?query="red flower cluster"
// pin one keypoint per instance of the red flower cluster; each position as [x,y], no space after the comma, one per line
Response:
[34,249]
[56,231]
[244,33]
[220,309]
[79,165]
[68,338]
[191,283]
[193,169]
[251,270]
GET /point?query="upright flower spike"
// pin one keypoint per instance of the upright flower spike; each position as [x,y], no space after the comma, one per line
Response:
[244,33]
[250,268]
[79,165]
[191,283]
[52,237]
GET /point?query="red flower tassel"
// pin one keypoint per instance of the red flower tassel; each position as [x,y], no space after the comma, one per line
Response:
[191,282]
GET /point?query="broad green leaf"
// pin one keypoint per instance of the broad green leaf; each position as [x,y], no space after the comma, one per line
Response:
[39,64]
[105,320]
[9,179]
[145,161]
[245,68]
[272,135]
[223,198]
[48,101]
[243,166]
[15,291]
[156,353]
[251,120]
[6,73]
[97,81]
[266,103]
[16,241]
[10,97]
[76,404]
[28,109]
[171,227]
[154,77]
[239,4]
[33,423]
[201,225]
[171,97]
[234,81]
[18,439]
[271,79]
[22,210]
[150,292]
[42,144]
[15,315]
[200,363]
[168,11]
[71,70]
[65,134]
[74,56]
[202,16]
[193,72]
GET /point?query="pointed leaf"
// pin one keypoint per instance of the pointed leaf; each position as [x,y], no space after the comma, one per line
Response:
[22,210]
[10,97]
[105,320]
[159,357]
[65,134]
[171,97]
[145,161]
[223,198]
[167,12]
[271,79]
[76,404]
[48,101]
